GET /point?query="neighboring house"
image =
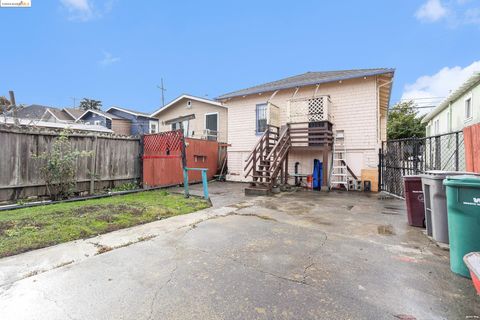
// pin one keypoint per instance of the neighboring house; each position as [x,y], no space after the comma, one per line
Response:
[33,112]
[314,107]
[198,117]
[46,113]
[56,115]
[53,125]
[140,123]
[115,123]
[459,110]
[75,113]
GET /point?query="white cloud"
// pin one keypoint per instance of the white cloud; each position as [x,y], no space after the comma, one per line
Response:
[85,10]
[431,11]
[108,59]
[430,90]
[78,9]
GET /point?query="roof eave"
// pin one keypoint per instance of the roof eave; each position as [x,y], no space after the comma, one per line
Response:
[367,74]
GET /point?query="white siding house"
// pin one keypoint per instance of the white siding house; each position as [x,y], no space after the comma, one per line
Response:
[461,109]
[354,101]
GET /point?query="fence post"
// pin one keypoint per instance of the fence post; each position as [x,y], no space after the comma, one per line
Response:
[93,161]
[456,152]
[380,164]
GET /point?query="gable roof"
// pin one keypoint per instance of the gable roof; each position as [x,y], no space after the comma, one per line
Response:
[58,114]
[467,85]
[132,112]
[190,97]
[75,113]
[306,79]
[100,113]
[33,111]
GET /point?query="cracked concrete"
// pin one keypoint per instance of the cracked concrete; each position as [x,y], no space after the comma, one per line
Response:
[301,255]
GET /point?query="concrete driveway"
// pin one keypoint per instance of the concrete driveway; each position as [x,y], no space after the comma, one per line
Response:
[299,255]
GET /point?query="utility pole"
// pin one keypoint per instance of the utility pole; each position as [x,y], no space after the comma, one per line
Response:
[162,89]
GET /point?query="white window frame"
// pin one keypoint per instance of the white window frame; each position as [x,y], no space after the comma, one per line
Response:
[156,124]
[468,98]
[97,122]
[205,122]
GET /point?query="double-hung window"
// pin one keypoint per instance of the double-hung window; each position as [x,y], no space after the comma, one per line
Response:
[468,108]
[261,118]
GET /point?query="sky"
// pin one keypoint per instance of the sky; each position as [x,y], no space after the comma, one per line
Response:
[117,51]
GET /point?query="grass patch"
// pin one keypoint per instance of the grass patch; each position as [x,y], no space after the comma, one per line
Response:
[37,227]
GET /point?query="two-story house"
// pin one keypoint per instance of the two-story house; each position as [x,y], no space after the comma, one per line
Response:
[459,110]
[277,130]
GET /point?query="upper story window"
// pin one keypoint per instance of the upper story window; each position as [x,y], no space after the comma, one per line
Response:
[468,108]
[261,118]
[97,122]
[153,127]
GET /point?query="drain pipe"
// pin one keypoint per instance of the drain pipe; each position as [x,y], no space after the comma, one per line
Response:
[378,110]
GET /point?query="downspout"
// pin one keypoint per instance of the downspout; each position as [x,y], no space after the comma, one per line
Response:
[379,138]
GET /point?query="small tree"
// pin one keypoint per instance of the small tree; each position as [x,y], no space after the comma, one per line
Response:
[90,104]
[60,167]
[404,122]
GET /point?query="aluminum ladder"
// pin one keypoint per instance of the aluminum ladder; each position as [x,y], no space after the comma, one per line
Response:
[339,172]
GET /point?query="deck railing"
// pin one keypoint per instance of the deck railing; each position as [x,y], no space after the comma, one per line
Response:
[309,109]
[311,134]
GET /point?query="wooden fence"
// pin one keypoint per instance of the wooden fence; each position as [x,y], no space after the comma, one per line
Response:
[472,147]
[115,160]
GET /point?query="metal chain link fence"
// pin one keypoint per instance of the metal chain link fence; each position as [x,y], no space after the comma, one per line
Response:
[402,157]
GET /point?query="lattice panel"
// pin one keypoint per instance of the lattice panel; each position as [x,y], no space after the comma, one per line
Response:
[164,143]
[308,109]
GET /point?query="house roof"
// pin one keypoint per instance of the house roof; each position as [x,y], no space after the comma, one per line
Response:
[306,79]
[33,111]
[59,114]
[467,85]
[132,112]
[74,112]
[56,125]
[190,97]
[100,113]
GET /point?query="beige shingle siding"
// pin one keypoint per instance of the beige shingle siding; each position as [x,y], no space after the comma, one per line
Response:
[354,109]
[199,109]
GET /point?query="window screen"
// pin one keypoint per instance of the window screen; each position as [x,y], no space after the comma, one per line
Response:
[261,110]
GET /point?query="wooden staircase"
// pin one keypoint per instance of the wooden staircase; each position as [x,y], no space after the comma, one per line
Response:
[268,161]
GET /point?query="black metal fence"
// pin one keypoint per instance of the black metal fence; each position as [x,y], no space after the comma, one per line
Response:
[402,157]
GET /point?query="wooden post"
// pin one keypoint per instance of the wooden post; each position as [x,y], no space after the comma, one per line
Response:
[286,170]
[93,161]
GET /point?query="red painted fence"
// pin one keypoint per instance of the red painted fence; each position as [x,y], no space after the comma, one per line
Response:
[162,158]
[471,136]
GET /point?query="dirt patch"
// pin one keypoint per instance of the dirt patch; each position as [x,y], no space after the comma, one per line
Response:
[109,211]
[386,230]
[5,225]
[102,249]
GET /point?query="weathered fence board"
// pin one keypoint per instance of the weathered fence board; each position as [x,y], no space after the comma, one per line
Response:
[115,160]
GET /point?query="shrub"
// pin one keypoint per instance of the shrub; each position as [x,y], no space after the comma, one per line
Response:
[59,167]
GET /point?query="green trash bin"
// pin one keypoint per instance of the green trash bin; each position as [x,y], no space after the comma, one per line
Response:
[463,206]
